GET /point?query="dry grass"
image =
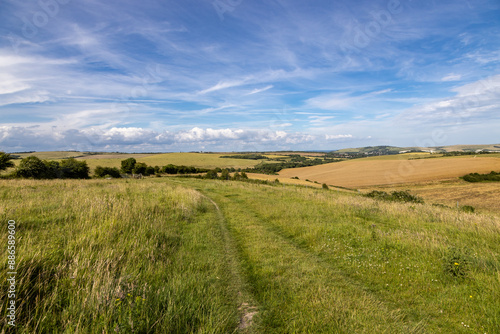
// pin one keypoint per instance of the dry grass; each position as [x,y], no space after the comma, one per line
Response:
[368,172]
[284,180]
[484,196]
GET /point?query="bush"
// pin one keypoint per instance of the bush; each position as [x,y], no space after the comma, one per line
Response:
[31,167]
[128,165]
[211,174]
[52,170]
[468,208]
[325,186]
[107,171]
[397,196]
[225,175]
[74,169]
[149,171]
[5,161]
[475,177]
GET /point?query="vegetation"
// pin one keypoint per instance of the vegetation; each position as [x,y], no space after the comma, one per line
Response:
[158,256]
[398,196]
[476,177]
[296,161]
[250,156]
[459,153]
[128,165]
[5,161]
[113,172]
[33,167]
[118,256]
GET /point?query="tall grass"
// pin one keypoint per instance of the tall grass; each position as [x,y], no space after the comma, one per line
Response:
[178,255]
[116,256]
[322,261]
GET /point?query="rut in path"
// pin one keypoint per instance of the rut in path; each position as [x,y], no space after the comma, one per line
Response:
[247,307]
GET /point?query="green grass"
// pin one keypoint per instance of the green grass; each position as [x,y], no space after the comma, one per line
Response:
[206,255]
[202,160]
[118,256]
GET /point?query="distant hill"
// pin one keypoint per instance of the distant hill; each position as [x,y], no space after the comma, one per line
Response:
[384,150]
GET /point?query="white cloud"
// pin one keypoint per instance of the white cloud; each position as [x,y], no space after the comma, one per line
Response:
[16,138]
[452,77]
[331,137]
[260,90]
[476,101]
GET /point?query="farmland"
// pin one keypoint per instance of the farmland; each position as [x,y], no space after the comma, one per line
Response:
[391,170]
[194,256]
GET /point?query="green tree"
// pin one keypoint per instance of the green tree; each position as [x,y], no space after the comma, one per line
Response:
[225,175]
[5,161]
[74,169]
[31,167]
[244,175]
[325,186]
[140,168]
[128,165]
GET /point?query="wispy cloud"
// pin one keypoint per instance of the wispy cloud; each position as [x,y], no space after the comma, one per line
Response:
[167,68]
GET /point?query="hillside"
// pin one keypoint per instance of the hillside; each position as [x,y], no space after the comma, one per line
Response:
[173,255]
[370,172]
[384,150]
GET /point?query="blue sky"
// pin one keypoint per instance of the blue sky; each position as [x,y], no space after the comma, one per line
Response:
[241,75]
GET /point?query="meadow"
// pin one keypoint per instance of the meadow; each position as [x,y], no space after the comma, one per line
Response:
[180,255]
[202,160]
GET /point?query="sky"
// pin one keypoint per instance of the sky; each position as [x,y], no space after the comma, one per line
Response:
[241,75]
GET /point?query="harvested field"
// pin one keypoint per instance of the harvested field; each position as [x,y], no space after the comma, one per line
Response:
[368,172]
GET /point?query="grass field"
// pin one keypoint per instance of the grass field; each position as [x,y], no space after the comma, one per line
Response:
[173,255]
[385,170]
[202,160]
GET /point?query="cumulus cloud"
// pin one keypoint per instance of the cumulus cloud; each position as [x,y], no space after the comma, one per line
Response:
[16,138]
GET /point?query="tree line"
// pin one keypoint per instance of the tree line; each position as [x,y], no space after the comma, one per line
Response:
[34,167]
[296,161]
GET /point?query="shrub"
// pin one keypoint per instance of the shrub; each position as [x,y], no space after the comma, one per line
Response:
[211,174]
[128,165]
[52,170]
[475,177]
[107,171]
[74,169]
[397,196]
[225,175]
[325,186]
[31,167]
[140,168]
[468,208]
[5,161]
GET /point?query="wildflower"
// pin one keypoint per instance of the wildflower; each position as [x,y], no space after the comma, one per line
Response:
[456,263]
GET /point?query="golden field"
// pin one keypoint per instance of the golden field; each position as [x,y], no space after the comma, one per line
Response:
[370,172]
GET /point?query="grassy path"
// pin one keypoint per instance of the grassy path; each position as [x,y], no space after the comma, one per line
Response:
[320,262]
[298,291]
